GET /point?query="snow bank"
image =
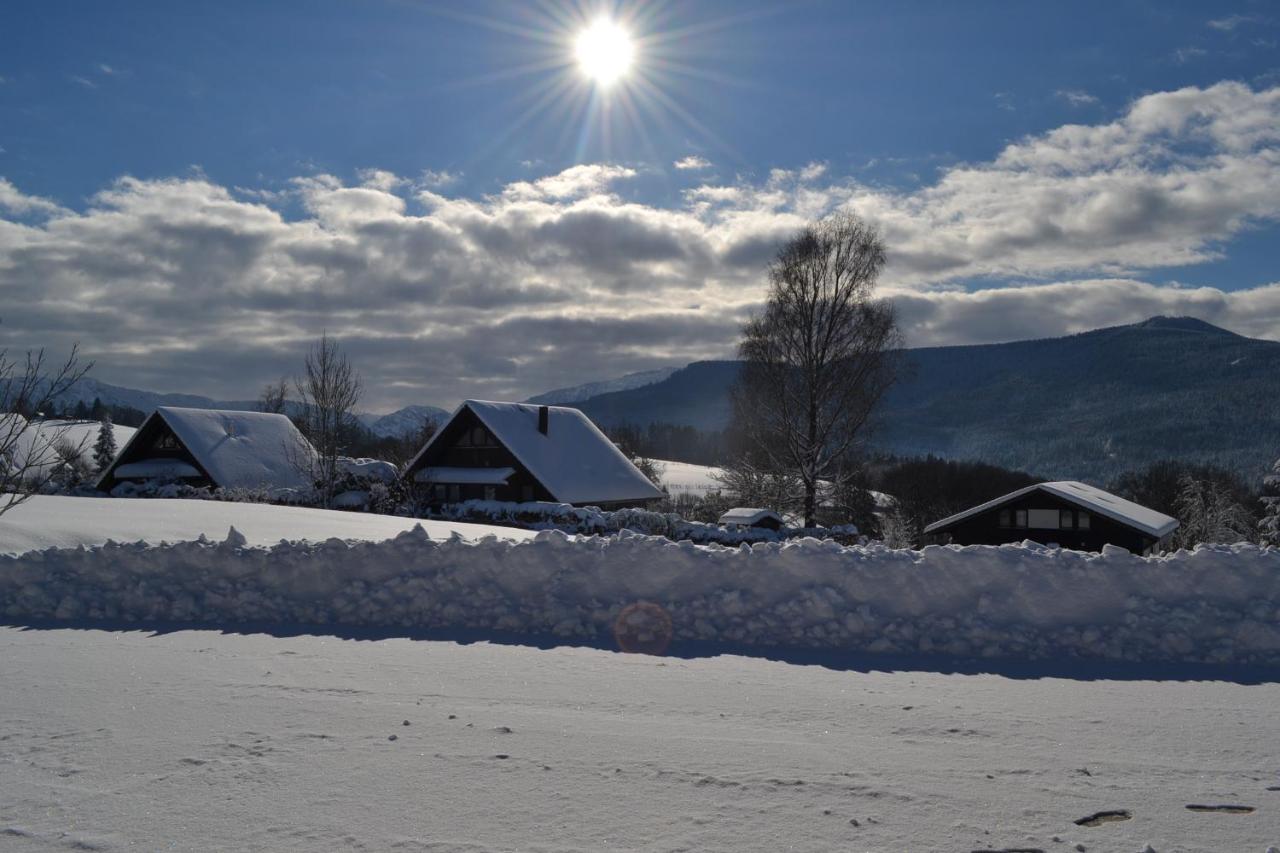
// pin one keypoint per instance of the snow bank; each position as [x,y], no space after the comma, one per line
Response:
[1215,604]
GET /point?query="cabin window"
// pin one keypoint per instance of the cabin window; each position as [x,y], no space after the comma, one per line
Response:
[1082,520]
[167,441]
[455,493]
[1006,518]
[439,491]
[1020,518]
[491,493]
[1065,520]
[1042,519]
[526,493]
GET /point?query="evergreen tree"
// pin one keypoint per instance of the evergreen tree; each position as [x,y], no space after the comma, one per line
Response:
[104,451]
[1269,526]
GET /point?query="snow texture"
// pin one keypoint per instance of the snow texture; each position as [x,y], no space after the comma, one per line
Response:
[575,461]
[156,469]
[1217,604]
[54,521]
[478,476]
[240,450]
[35,440]
[1096,500]
[375,470]
[213,741]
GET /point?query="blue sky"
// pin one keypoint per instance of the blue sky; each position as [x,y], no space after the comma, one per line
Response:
[249,128]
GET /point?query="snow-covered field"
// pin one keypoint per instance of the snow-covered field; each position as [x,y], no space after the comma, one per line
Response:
[200,740]
[65,522]
[685,478]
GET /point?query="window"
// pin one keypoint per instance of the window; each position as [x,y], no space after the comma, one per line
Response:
[1082,520]
[526,493]
[1006,518]
[1020,518]
[1065,520]
[491,493]
[1042,519]
[167,441]
[455,493]
[438,491]
[479,437]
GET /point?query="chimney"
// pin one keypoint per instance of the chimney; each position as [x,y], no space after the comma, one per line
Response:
[544,419]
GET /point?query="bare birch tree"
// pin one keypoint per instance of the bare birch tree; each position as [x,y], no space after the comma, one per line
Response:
[29,452]
[274,396]
[818,358]
[329,390]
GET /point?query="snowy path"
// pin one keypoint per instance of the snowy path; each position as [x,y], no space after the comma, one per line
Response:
[63,522]
[197,740]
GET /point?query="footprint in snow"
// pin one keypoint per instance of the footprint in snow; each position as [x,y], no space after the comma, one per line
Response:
[1099,818]
[1224,809]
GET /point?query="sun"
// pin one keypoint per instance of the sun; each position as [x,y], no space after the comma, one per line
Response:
[605,51]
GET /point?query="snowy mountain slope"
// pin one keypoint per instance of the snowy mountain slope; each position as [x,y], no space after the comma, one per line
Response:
[403,422]
[1100,401]
[204,740]
[61,522]
[568,396]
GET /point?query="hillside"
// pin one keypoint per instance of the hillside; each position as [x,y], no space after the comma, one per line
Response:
[1083,406]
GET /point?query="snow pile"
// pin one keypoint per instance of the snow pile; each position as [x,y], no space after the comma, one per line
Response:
[1215,604]
[591,520]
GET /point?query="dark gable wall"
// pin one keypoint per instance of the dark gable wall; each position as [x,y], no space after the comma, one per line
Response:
[984,528]
[446,453]
[144,446]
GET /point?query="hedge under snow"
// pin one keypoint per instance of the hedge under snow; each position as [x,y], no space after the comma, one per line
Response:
[1215,604]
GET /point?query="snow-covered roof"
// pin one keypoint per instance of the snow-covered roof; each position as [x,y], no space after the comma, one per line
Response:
[749,516]
[575,461]
[1096,500]
[155,469]
[470,476]
[238,450]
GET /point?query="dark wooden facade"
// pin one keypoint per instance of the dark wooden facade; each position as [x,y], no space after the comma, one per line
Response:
[1022,517]
[156,440]
[465,442]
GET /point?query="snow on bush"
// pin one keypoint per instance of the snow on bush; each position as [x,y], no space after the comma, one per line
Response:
[591,520]
[1216,603]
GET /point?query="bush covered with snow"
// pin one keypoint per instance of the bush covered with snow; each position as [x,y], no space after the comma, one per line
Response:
[1215,604]
[592,520]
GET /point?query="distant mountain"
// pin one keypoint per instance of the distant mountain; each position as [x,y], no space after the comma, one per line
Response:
[402,422]
[566,396]
[1085,406]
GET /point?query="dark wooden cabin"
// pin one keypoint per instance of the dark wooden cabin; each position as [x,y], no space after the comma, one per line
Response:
[521,452]
[1065,513]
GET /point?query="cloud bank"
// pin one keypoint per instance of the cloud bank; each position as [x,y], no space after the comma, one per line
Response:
[184,284]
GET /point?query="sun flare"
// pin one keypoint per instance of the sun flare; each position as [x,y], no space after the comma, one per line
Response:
[604,51]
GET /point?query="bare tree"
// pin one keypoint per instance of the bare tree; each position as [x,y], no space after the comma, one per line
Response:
[29,452]
[328,391]
[273,396]
[819,357]
[1208,513]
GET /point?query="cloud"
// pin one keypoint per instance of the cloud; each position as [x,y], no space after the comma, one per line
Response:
[186,284]
[1183,55]
[692,163]
[436,180]
[1004,100]
[1076,97]
[83,81]
[1233,22]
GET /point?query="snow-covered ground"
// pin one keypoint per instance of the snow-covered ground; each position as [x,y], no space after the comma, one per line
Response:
[684,478]
[200,740]
[65,522]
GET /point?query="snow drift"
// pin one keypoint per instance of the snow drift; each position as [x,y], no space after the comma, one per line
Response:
[1215,604]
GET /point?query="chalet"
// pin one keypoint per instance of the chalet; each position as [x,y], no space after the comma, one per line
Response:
[1070,514]
[522,452]
[208,447]
[747,516]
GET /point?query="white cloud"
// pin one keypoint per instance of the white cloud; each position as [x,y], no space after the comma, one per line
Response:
[436,180]
[183,283]
[1077,97]
[1183,55]
[692,163]
[1232,22]
[83,81]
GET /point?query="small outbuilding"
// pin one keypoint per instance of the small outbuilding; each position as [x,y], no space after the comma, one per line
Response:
[1066,513]
[748,516]
[523,452]
[215,448]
